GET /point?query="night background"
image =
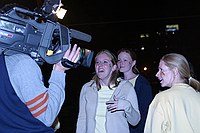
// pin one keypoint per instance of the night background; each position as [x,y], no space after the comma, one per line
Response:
[114,24]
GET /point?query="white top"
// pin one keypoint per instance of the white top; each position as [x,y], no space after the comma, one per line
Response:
[133,80]
[104,94]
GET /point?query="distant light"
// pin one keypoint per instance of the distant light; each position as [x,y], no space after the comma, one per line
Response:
[172,28]
[142,48]
[145,68]
[144,35]
[158,33]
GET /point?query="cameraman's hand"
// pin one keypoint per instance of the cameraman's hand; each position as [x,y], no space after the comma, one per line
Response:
[72,55]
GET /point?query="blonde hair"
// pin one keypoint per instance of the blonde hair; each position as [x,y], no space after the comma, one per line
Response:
[114,75]
[180,62]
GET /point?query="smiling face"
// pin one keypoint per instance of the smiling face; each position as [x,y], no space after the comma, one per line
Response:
[125,62]
[104,67]
[165,75]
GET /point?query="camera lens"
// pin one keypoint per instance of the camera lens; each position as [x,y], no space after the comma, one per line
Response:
[86,56]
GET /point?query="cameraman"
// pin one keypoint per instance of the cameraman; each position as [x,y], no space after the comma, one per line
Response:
[26,105]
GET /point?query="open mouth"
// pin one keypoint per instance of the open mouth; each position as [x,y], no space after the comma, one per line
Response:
[100,71]
[160,80]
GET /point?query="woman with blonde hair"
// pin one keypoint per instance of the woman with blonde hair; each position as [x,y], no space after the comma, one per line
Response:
[175,110]
[107,105]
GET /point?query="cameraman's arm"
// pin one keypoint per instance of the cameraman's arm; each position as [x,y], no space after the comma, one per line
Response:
[27,80]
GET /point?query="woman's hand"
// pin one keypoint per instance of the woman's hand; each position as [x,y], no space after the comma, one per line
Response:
[116,105]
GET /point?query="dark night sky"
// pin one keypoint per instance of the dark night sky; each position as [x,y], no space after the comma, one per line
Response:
[114,24]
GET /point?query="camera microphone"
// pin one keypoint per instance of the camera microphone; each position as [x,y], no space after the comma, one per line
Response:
[80,35]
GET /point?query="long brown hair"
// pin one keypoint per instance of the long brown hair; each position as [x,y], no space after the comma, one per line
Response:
[133,57]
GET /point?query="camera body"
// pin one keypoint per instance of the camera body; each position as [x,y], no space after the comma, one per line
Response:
[32,33]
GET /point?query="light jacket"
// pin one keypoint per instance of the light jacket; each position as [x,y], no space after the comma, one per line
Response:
[175,110]
[27,80]
[116,122]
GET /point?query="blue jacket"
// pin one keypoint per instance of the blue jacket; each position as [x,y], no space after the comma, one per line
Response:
[15,117]
[144,94]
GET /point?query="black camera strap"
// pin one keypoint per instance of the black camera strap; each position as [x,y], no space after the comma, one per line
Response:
[69,64]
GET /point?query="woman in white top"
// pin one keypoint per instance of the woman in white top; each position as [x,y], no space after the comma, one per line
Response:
[107,105]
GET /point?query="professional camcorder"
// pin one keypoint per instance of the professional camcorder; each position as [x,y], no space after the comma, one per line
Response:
[38,34]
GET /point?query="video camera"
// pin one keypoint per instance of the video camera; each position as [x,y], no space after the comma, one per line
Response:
[37,34]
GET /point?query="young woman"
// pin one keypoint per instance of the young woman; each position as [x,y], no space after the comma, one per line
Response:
[175,110]
[127,66]
[107,105]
